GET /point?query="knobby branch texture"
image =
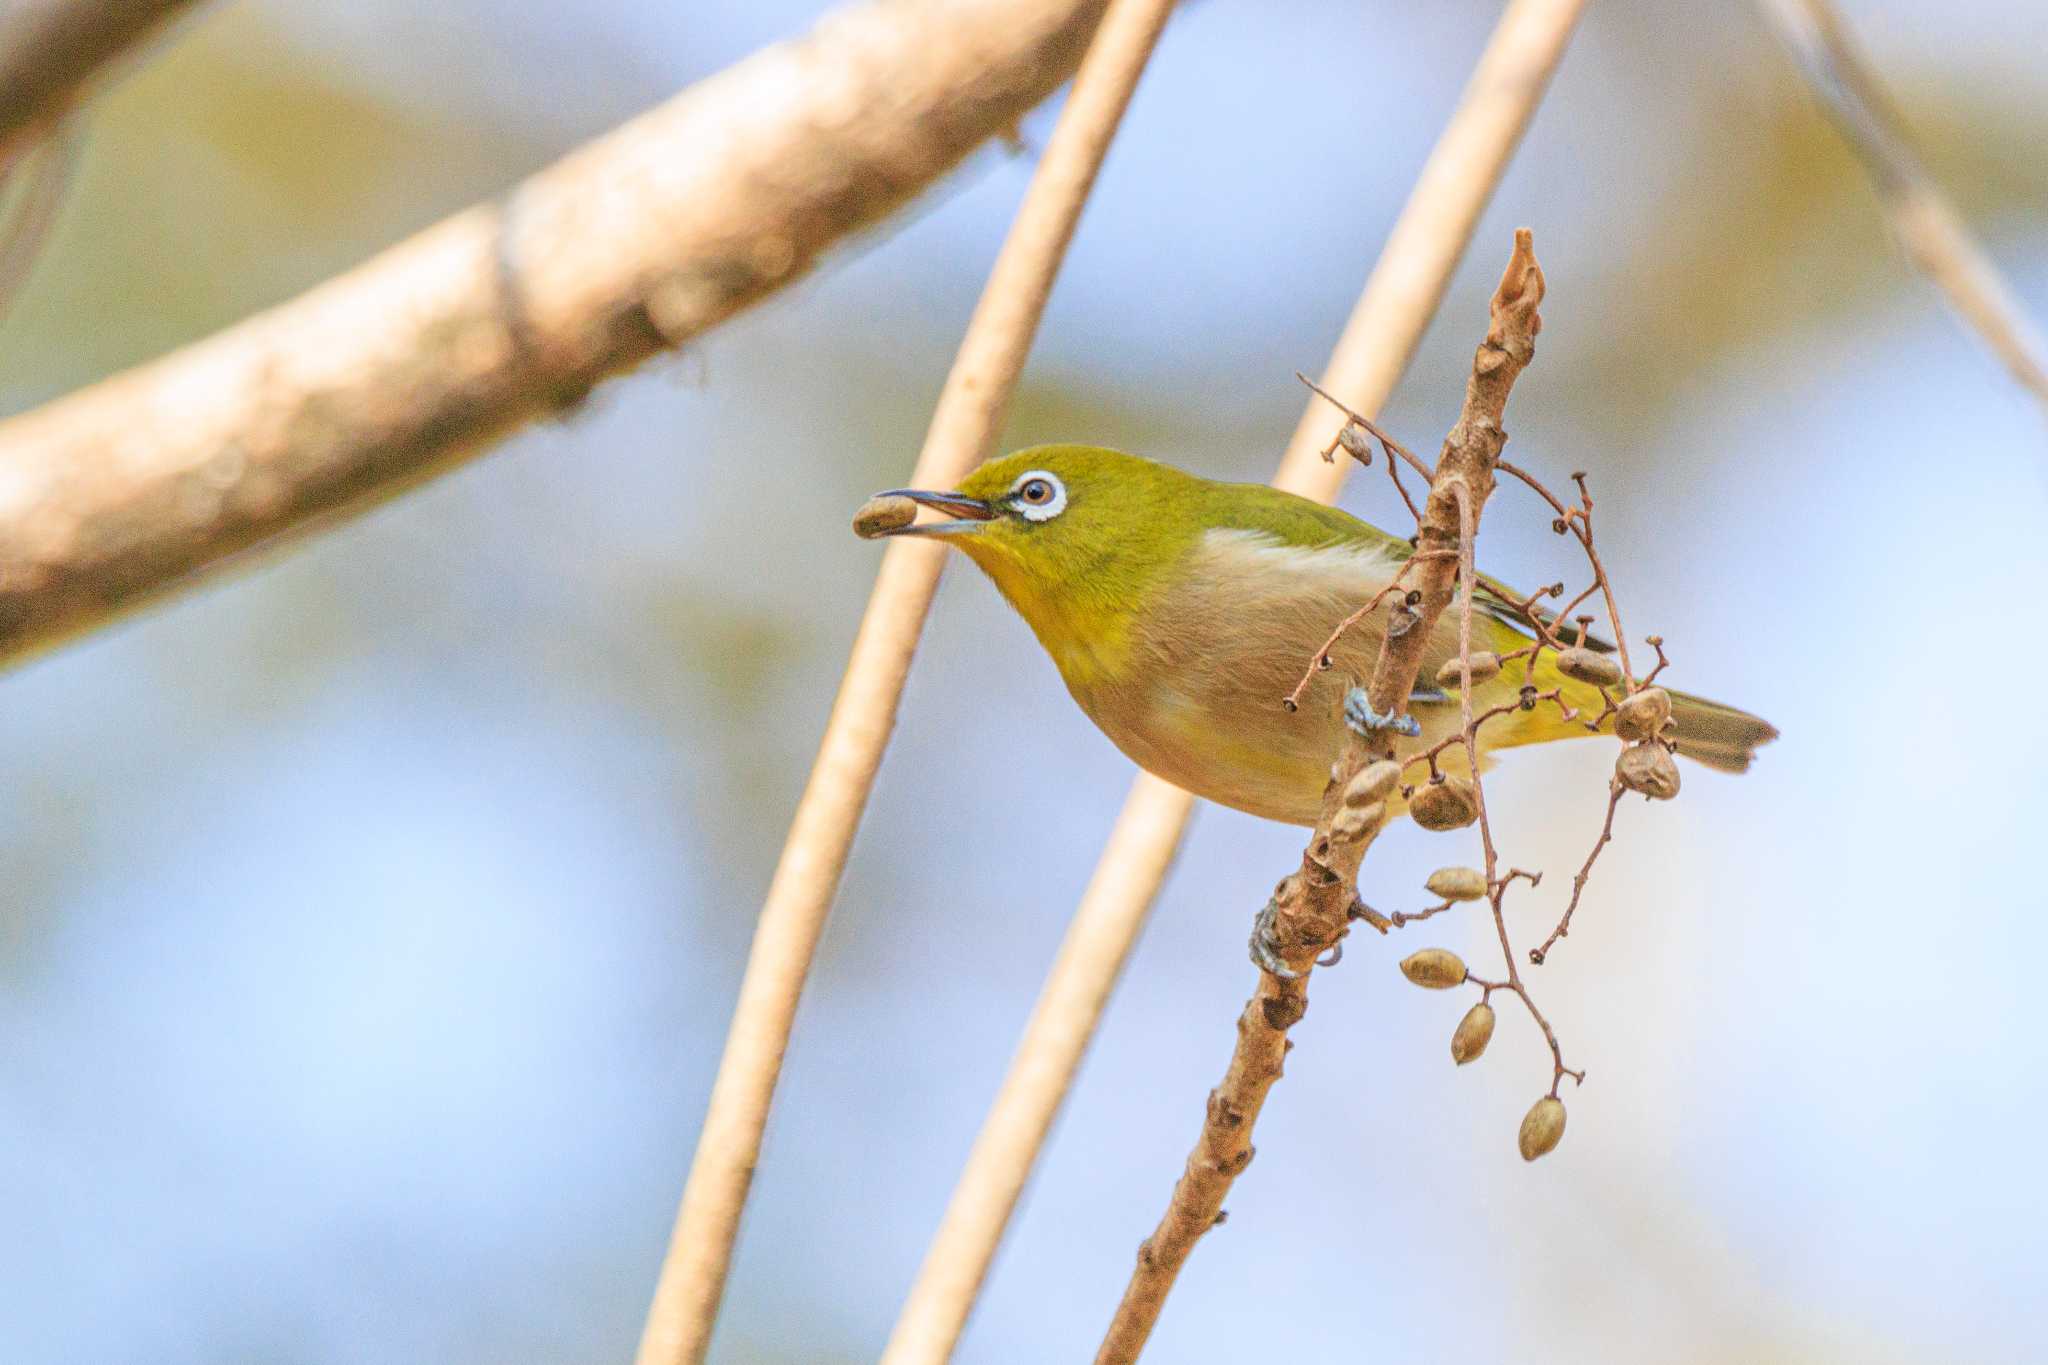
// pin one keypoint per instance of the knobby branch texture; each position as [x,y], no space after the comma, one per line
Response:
[509,311]
[1400,297]
[1311,909]
[965,424]
[1928,225]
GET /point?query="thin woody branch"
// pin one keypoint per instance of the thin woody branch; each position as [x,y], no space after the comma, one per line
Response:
[964,425]
[1311,908]
[1398,301]
[1930,229]
[638,242]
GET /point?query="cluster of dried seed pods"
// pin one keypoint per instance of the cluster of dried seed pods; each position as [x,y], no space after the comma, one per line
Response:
[1440,969]
[1451,801]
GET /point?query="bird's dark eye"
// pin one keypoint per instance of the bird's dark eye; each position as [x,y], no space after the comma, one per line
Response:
[1037,496]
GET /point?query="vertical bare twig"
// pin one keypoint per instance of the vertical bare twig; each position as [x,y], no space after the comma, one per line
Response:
[1399,299]
[50,49]
[1931,230]
[968,418]
[1311,908]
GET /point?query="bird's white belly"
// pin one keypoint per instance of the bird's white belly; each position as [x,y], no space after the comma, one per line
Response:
[1201,706]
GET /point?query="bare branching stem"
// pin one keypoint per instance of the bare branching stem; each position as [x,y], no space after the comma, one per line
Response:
[1585,874]
[1929,227]
[1496,884]
[511,311]
[1311,908]
[964,426]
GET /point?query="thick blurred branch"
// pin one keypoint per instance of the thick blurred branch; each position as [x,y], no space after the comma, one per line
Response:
[49,49]
[1929,227]
[1311,909]
[964,426]
[390,373]
[1399,299]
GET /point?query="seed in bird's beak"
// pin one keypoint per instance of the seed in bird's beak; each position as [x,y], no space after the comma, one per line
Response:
[1642,716]
[1542,1128]
[1589,667]
[1457,883]
[1485,664]
[879,516]
[1439,969]
[1449,804]
[1474,1032]
[1647,768]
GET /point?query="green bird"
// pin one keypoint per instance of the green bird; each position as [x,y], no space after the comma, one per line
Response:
[1181,610]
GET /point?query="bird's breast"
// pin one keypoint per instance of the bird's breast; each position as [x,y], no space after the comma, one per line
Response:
[1198,701]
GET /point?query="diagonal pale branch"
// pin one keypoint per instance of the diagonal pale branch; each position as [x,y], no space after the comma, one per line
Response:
[1932,232]
[1311,908]
[1092,955]
[50,49]
[392,372]
[32,186]
[966,423]
[1399,299]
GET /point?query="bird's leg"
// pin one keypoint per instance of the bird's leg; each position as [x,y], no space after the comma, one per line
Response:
[1265,945]
[1363,720]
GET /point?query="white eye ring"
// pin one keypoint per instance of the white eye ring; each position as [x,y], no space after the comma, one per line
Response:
[1038,495]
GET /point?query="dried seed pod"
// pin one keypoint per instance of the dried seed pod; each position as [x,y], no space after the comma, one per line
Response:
[1542,1128]
[1374,782]
[1475,1031]
[1437,968]
[1449,804]
[1353,823]
[1647,768]
[1457,883]
[1485,664]
[879,516]
[1598,669]
[1643,715]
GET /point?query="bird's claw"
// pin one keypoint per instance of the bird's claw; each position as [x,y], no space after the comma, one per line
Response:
[1266,950]
[1364,721]
[1265,947]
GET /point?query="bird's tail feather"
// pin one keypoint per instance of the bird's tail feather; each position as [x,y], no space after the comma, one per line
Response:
[1719,736]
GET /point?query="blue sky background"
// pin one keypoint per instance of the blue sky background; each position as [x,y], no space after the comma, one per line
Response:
[369,918]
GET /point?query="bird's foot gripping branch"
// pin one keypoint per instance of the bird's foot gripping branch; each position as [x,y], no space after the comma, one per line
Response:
[1384,763]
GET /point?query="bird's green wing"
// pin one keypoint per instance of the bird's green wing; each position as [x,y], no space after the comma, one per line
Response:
[1293,520]
[1290,519]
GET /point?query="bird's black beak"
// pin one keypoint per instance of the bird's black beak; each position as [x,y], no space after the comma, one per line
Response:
[968,511]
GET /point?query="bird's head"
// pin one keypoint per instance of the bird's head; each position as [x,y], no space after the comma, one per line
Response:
[1078,538]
